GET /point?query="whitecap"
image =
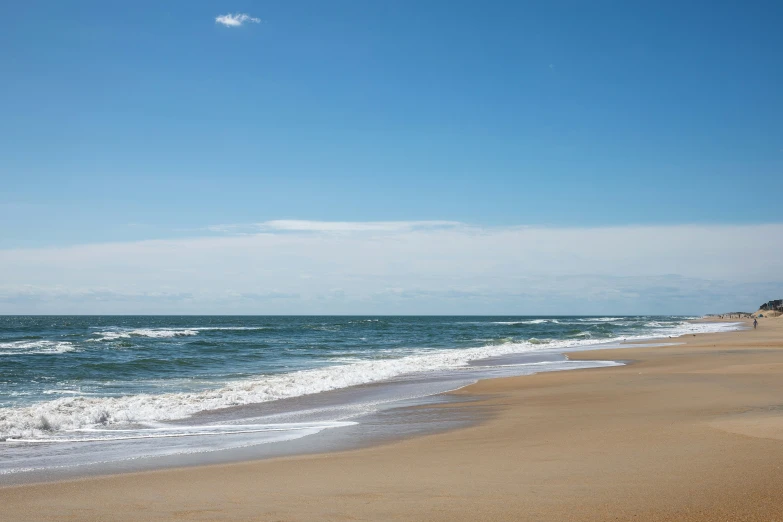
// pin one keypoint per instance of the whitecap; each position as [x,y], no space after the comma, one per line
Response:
[155,333]
[529,321]
[35,347]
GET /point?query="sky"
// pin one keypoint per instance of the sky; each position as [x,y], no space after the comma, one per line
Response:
[390,157]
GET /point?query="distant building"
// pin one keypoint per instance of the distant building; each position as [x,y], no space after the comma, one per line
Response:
[776,305]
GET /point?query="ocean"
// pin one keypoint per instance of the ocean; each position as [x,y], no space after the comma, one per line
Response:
[87,392]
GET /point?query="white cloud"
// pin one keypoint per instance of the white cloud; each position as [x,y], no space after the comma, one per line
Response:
[236,20]
[405,267]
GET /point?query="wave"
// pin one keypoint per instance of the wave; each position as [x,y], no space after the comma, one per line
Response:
[230,328]
[35,347]
[70,413]
[530,321]
[112,335]
[162,333]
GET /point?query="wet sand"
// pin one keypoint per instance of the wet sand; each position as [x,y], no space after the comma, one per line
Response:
[686,432]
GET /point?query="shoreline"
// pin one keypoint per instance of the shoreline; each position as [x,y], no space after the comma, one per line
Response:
[396,418]
[402,411]
[499,400]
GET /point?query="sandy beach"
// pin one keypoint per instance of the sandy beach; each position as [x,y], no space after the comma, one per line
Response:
[691,432]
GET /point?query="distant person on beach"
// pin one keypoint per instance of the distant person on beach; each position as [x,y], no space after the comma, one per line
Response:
[755,322]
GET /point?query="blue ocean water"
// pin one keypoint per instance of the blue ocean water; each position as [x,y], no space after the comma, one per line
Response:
[128,386]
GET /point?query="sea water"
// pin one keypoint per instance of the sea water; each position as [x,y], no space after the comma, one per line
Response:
[78,391]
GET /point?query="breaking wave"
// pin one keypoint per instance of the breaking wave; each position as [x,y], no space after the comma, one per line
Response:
[162,333]
[35,347]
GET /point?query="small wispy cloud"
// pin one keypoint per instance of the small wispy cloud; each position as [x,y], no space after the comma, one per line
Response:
[295,225]
[235,20]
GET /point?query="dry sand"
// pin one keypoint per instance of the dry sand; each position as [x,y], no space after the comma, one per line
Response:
[687,432]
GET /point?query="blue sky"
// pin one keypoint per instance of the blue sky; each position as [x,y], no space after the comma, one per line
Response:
[135,121]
